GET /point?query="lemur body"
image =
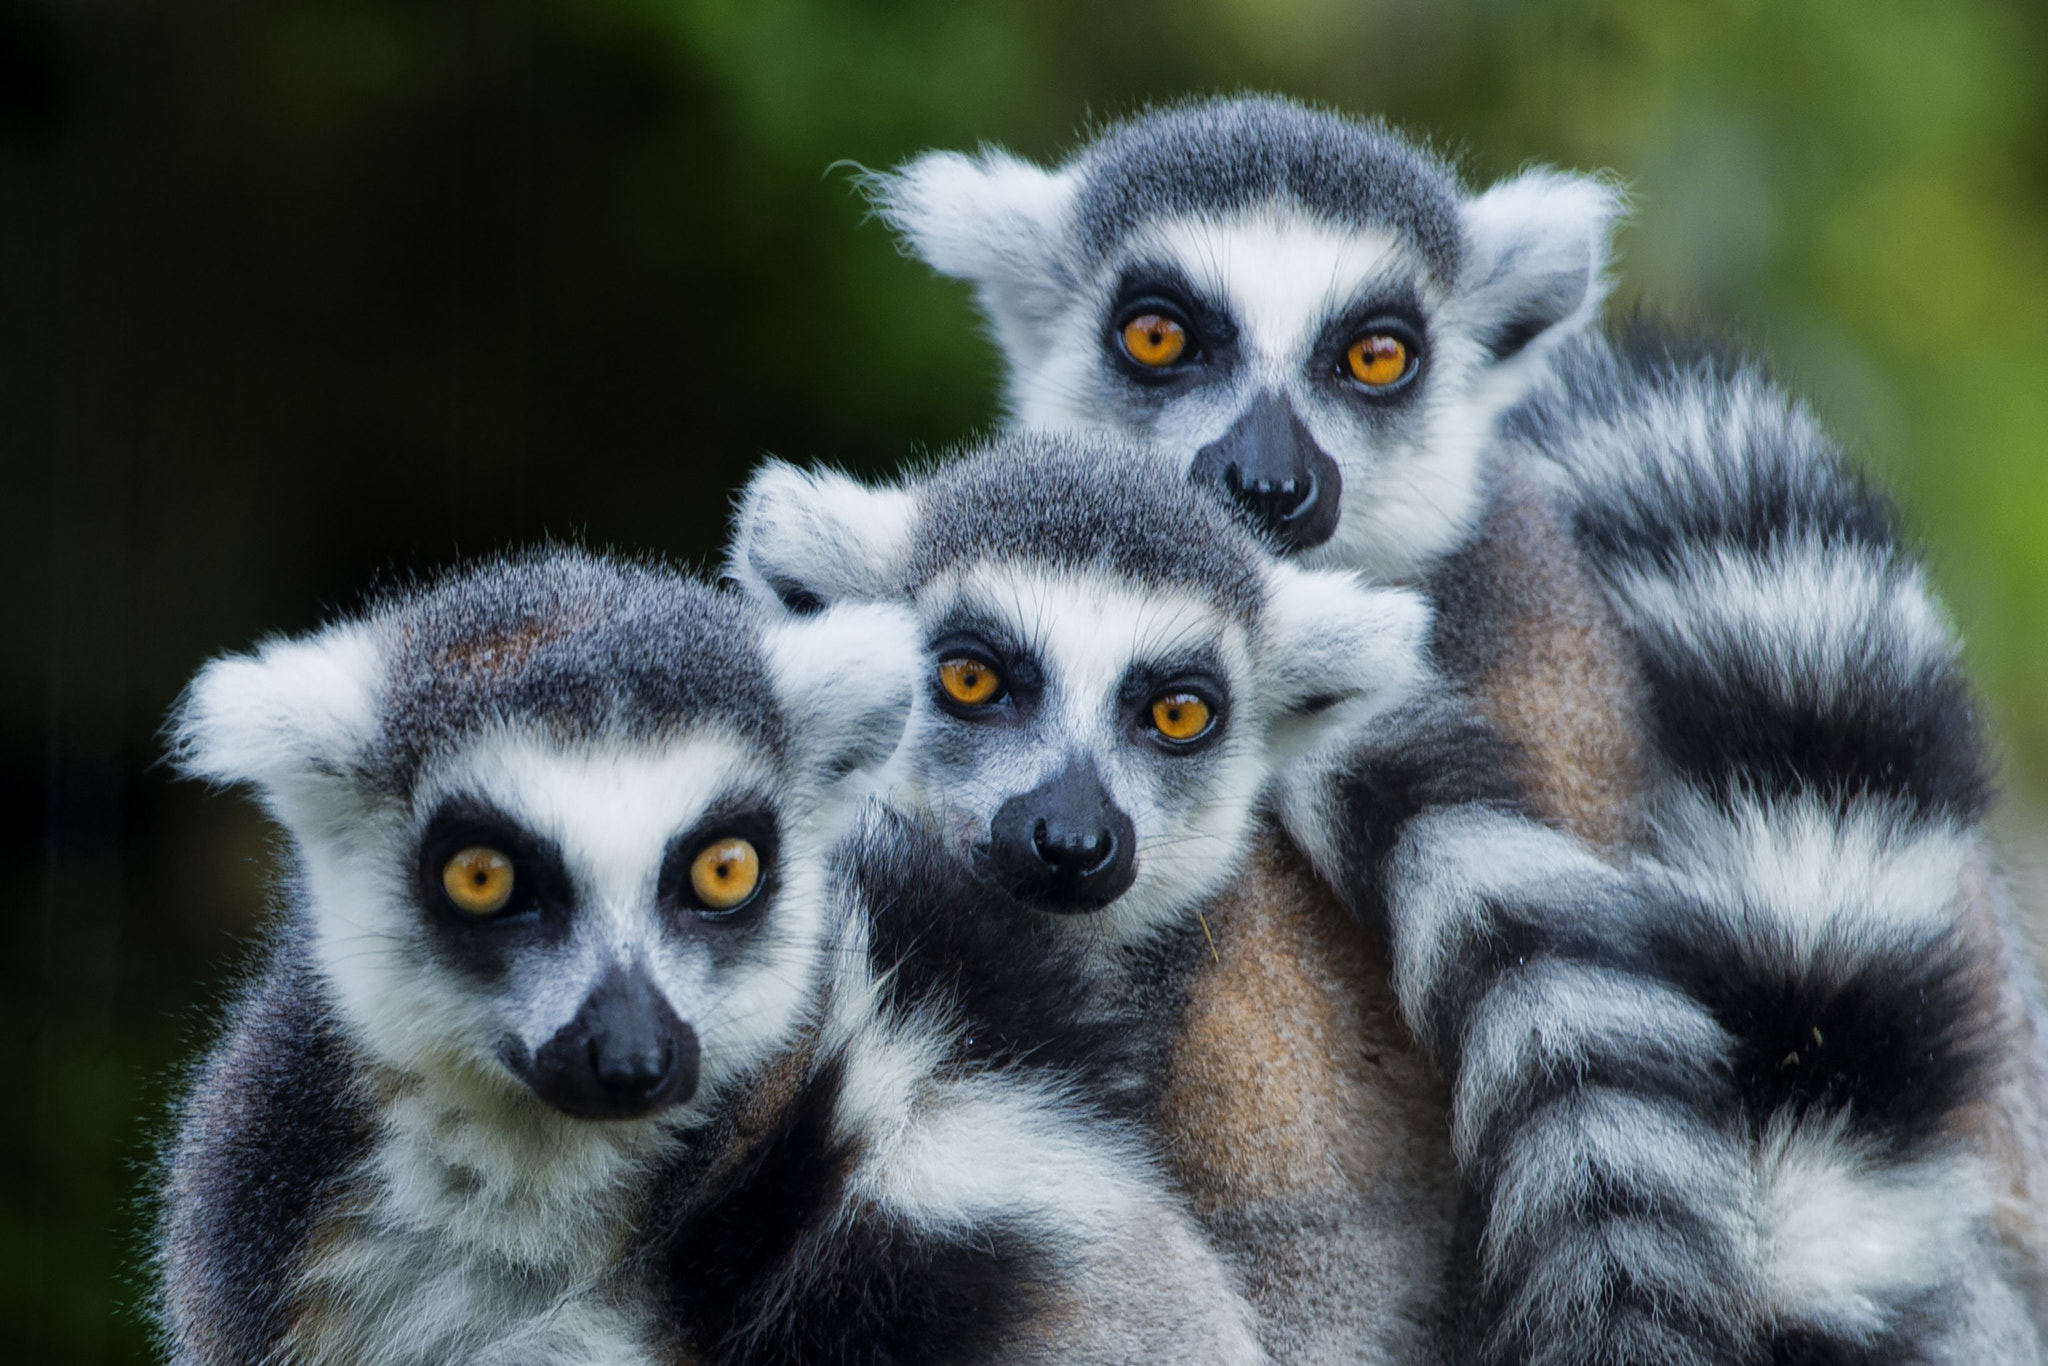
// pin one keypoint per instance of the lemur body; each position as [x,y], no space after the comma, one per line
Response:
[1077,587]
[1704,652]
[581,1044]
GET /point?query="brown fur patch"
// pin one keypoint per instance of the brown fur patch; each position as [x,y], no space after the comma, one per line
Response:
[1561,684]
[1294,1077]
[320,1324]
[760,1103]
[2009,1127]
[507,651]
[1307,1128]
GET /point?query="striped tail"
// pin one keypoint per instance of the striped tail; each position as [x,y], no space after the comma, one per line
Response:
[1771,1092]
[1591,1112]
[1793,648]
[1815,845]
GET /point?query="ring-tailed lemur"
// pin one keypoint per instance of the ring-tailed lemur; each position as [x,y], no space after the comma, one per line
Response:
[1702,644]
[1117,669]
[577,1046]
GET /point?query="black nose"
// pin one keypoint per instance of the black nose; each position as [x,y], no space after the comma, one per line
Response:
[1065,844]
[1270,467]
[624,1055]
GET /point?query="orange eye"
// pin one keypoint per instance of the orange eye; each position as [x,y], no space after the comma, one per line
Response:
[1155,340]
[725,873]
[969,681]
[1180,715]
[478,880]
[1377,360]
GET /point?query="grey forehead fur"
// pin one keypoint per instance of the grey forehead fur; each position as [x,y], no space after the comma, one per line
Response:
[580,645]
[1082,502]
[1231,153]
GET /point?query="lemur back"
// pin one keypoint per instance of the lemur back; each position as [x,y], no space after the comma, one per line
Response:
[584,1038]
[1524,627]
[1310,317]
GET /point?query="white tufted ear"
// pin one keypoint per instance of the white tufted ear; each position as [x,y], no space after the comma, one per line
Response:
[998,222]
[847,678]
[292,715]
[1340,652]
[1538,249]
[989,218]
[809,538]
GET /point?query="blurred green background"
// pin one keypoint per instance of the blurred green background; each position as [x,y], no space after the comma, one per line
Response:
[300,294]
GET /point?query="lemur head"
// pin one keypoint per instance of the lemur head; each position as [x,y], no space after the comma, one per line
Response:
[561,823]
[1114,665]
[1305,310]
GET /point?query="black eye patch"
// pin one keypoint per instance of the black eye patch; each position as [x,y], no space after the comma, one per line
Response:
[1149,290]
[1197,674]
[1395,312]
[747,816]
[970,637]
[542,897]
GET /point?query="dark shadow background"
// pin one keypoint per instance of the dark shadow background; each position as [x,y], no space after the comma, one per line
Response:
[298,295]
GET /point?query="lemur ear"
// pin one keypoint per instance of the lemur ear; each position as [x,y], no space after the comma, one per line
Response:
[991,219]
[847,678]
[1538,248]
[810,538]
[980,218]
[1341,651]
[291,716]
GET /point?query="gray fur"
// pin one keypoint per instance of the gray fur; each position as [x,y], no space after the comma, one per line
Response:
[1203,157]
[584,645]
[1041,498]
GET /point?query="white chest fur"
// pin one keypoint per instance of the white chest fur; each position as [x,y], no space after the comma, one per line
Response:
[473,1239]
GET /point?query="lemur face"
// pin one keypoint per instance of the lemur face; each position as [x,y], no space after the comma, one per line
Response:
[1113,667]
[1285,360]
[562,826]
[1304,313]
[1095,746]
[614,925]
